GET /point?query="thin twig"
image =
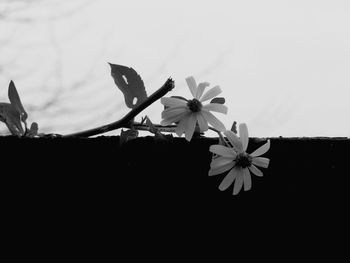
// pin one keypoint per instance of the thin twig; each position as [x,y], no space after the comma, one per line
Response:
[160,128]
[125,121]
[168,128]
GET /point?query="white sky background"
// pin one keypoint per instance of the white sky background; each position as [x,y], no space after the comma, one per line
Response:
[283,66]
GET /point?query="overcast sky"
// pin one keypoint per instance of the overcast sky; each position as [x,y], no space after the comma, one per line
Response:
[283,66]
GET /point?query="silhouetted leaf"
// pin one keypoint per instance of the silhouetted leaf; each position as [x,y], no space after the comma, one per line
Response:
[33,131]
[154,129]
[11,117]
[130,83]
[218,100]
[143,119]
[234,127]
[127,135]
[16,101]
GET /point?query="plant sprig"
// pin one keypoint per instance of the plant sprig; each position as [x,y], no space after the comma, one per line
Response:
[14,115]
[132,86]
[127,120]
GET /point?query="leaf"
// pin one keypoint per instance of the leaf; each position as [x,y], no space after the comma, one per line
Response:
[218,100]
[154,130]
[234,127]
[143,119]
[33,131]
[130,83]
[16,101]
[127,135]
[11,117]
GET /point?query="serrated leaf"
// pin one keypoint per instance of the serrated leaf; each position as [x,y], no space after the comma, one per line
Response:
[130,83]
[127,135]
[11,117]
[16,101]
[218,100]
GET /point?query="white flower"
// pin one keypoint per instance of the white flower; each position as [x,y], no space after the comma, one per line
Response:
[190,112]
[238,161]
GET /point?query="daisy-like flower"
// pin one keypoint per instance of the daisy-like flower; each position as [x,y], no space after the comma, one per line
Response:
[188,113]
[238,161]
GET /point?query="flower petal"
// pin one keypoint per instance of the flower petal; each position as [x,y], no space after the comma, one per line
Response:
[247,179]
[238,182]
[173,111]
[213,121]
[221,169]
[220,161]
[172,102]
[181,126]
[191,82]
[200,89]
[213,92]
[229,179]
[263,149]
[234,140]
[191,125]
[175,118]
[215,107]
[243,135]
[222,151]
[203,124]
[255,170]
[261,161]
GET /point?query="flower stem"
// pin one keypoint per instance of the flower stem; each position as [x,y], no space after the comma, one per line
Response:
[168,128]
[128,118]
[143,127]
[219,133]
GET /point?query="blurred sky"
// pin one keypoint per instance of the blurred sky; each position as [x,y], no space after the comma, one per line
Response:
[283,65]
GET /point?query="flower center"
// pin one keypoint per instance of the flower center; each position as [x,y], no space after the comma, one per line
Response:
[243,160]
[194,105]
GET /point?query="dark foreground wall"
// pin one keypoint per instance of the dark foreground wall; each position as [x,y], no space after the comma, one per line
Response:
[53,187]
[158,170]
